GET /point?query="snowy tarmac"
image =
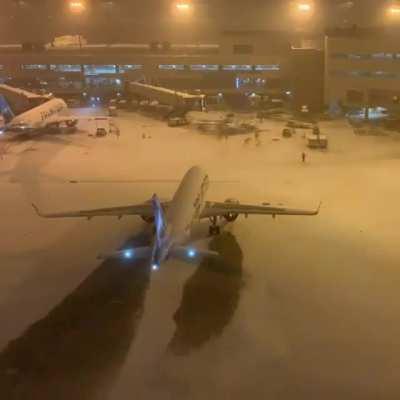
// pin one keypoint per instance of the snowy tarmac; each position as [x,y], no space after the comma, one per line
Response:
[298,308]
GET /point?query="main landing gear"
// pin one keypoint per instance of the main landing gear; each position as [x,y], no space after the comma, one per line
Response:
[214,229]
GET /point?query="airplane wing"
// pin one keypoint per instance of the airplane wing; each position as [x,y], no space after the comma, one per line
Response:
[72,120]
[143,210]
[59,119]
[220,209]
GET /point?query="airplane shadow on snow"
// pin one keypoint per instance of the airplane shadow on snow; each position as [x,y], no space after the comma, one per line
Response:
[77,350]
[210,297]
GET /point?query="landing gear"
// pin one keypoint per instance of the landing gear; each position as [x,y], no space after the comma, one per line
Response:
[214,229]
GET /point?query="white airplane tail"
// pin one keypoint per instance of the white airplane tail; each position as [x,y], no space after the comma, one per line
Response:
[159,218]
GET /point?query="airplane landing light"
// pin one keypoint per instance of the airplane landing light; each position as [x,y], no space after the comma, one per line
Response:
[128,254]
[191,253]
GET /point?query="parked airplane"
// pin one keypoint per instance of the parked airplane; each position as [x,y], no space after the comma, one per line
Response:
[49,114]
[174,219]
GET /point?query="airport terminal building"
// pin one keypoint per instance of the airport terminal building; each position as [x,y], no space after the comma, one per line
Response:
[243,64]
[362,67]
[353,68]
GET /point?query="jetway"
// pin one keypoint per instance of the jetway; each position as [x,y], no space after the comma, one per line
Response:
[21,100]
[178,100]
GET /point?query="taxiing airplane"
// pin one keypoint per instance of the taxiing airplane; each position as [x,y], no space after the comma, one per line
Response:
[174,219]
[50,114]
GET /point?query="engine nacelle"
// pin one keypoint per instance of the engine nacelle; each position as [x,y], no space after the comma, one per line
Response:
[72,123]
[230,217]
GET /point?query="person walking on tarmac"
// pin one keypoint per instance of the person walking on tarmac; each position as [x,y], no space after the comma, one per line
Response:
[303,157]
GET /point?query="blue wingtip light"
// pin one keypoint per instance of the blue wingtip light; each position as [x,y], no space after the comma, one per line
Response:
[128,254]
[191,253]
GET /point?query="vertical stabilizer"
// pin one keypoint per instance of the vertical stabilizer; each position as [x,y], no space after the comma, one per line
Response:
[159,217]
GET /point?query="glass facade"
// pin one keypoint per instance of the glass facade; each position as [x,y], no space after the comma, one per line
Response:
[204,67]
[366,56]
[270,67]
[40,67]
[66,67]
[99,69]
[171,67]
[129,67]
[236,67]
[365,74]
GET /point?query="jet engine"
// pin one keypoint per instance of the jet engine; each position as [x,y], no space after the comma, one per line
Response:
[230,217]
[72,123]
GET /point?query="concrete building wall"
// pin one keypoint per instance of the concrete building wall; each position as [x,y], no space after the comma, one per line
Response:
[204,67]
[361,68]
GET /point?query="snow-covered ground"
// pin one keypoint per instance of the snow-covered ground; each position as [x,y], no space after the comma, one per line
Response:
[312,312]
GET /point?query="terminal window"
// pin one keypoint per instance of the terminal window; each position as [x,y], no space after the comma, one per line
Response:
[66,67]
[357,56]
[171,67]
[365,74]
[99,69]
[204,67]
[243,49]
[235,67]
[270,67]
[384,74]
[97,82]
[382,56]
[40,67]
[129,67]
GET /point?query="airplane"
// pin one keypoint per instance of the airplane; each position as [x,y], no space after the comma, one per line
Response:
[48,114]
[175,219]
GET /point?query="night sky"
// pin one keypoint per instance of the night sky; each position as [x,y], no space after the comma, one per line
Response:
[143,21]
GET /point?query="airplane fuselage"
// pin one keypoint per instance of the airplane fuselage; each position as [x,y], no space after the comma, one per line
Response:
[184,210]
[37,118]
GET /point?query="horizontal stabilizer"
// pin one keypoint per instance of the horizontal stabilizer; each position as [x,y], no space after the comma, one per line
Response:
[130,254]
[189,253]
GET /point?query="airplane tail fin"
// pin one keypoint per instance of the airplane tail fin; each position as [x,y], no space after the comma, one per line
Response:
[5,109]
[159,217]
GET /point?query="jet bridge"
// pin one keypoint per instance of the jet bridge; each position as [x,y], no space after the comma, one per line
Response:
[21,100]
[180,102]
